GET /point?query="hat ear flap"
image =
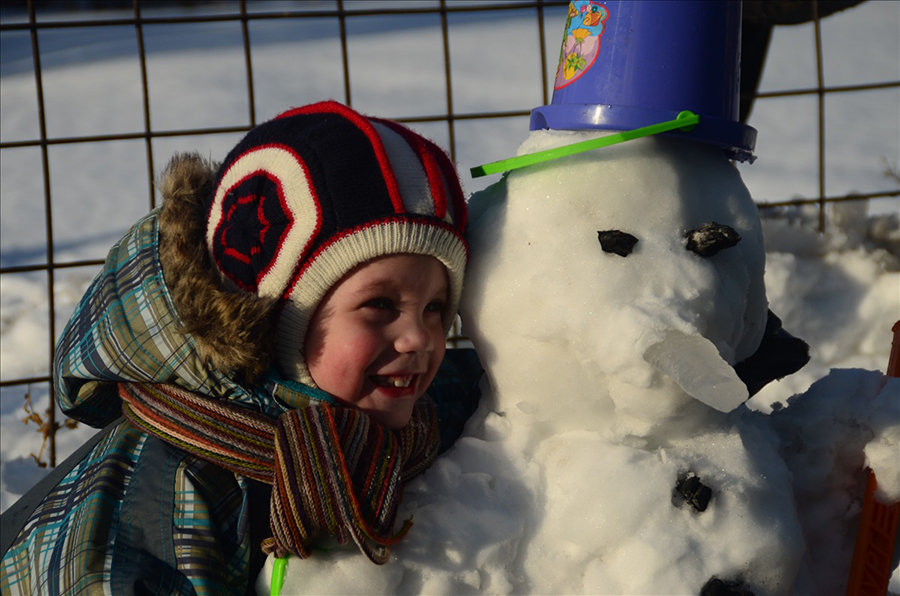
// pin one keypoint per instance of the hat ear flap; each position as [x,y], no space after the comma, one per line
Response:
[232,329]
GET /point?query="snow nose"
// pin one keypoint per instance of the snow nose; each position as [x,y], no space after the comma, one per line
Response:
[694,363]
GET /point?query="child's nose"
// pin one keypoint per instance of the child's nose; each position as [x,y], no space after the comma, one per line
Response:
[412,335]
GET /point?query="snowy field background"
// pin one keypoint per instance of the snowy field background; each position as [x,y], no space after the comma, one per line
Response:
[840,290]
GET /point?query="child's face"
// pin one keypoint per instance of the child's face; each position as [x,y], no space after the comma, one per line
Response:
[377,339]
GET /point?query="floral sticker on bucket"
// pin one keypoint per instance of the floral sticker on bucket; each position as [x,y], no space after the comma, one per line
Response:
[581,40]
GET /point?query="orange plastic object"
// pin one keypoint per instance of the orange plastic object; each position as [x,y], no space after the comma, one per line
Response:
[870,570]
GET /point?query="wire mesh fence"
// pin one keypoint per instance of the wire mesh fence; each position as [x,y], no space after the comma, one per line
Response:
[428,62]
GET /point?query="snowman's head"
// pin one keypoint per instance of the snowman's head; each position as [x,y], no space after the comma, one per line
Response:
[634,272]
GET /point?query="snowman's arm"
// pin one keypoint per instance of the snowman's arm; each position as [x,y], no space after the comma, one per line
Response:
[779,354]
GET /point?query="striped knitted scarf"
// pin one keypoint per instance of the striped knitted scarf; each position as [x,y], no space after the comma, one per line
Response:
[333,470]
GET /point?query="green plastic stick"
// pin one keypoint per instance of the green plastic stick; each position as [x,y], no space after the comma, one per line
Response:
[685,120]
[278,568]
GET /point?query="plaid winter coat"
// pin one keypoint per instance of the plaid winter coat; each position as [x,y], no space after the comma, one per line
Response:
[137,515]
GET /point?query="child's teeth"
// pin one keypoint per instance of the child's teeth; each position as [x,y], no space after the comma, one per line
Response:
[394,380]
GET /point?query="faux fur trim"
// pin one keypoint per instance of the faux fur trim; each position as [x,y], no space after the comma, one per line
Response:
[233,329]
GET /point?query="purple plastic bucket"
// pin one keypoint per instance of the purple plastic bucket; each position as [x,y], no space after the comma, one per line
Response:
[625,64]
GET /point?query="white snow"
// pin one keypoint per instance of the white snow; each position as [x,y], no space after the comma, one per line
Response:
[555,488]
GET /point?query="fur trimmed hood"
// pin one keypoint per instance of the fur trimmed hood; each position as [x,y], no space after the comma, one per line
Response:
[233,330]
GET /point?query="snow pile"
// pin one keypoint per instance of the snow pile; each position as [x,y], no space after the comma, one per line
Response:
[845,422]
[605,457]
[837,290]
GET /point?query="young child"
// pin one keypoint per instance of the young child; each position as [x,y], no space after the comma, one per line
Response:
[271,330]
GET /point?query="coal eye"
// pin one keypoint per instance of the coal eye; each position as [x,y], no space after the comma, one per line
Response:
[617,242]
[710,238]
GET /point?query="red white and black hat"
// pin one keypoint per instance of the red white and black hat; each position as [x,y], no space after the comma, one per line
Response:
[306,197]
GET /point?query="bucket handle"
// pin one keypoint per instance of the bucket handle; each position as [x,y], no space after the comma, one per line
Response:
[686,120]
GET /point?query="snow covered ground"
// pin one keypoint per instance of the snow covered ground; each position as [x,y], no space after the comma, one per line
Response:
[840,290]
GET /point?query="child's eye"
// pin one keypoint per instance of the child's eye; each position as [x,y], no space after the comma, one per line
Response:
[436,306]
[379,303]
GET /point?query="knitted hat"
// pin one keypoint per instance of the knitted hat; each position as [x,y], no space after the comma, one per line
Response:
[306,197]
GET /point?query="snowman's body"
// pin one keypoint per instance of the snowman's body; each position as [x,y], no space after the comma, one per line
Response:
[609,380]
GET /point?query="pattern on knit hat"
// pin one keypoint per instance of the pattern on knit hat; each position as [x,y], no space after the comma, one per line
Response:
[263,217]
[306,197]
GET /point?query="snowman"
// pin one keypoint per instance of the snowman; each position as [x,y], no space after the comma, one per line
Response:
[615,297]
